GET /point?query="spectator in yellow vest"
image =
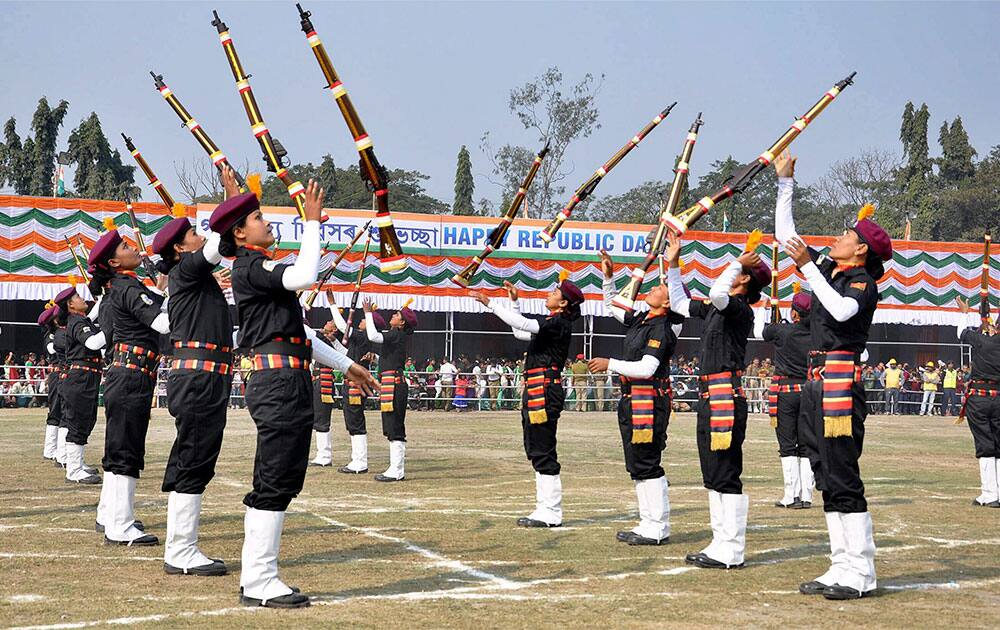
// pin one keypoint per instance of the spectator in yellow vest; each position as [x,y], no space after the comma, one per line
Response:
[949,385]
[891,379]
[931,378]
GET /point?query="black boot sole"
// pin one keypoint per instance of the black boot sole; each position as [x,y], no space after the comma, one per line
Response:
[292,600]
[384,479]
[702,561]
[530,522]
[349,471]
[209,570]
[842,593]
[143,541]
[812,588]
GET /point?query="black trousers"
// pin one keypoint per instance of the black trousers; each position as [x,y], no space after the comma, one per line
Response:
[835,460]
[52,382]
[983,414]
[354,415]
[394,422]
[321,410]
[198,401]
[787,431]
[79,391]
[642,461]
[280,403]
[721,470]
[540,439]
[128,398]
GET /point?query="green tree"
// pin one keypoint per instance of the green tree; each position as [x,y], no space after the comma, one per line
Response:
[913,134]
[464,184]
[557,114]
[28,165]
[640,204]
[956,162]
[100,173]
[15,162]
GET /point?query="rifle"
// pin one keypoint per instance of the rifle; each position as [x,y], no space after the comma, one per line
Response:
[497,234]
[336,261]
[147,264]
[984,286]
[372,172]
[626,297]
[775,302]
[354,296]
[741,179]
[168,201]
[588,186]
[218,157]
[76,258]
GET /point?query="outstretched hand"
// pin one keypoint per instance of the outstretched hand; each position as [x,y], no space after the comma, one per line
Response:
[598,364]
[963,304]
[314,201]
[607,265]
[363,379]
[480,297]
[229,181]
[672,254]
[511,290]
[784,164]
[366,304]
[797,251]
[749,259]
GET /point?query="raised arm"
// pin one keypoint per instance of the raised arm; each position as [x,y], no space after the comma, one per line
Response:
[719,293]
[520,335]
[680,303]
[302,274]
[608,286]
[784,222]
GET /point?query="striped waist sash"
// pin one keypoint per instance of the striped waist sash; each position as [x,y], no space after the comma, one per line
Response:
[721,390]
[326,385]
[641,393]
[136,358]
[202,356]
[354,395]
[293,353]
[535,381]
[779,385]
[838,370]
[87,365]
[986,389]
[387,390]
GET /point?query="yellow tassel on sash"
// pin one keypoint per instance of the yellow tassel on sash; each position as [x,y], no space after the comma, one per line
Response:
[839,426]
[721,440]
[774,422]
[387,407]
[538,416]
[326,399]
[642,436]
[354,400]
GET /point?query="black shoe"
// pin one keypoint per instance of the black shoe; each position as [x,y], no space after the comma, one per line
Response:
[381,477]
[57,464]
[292,600]
[89,469]
[794,505]
[215,567]
[148,540]
[801,505]
[351,471]
[812,587]
[703,561]
[635,539]
[321,465]
[992,504]
[90,480]
[842,592]
[524,521]
[622,536]
[136,523]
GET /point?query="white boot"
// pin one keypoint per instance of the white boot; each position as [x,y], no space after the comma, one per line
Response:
[324,449]
[51,437]
[860,571]
[75,471]
[180,553]
[397,459]
[105,501]
[734,528]
[790,473]
[61,445]
[120,527]
[548,499]
[838,550]
[261,544]
[806,480]
[654,509]
[987,480]
[715,517]
[359,455]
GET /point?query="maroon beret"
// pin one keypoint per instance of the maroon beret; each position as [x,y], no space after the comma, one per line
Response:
[761,274]
[172,232]
[409,316]
[876,238]
[802,302]
[230,211]
[379,320]
[104,248]
[571,293]
[47,316]
[64,295]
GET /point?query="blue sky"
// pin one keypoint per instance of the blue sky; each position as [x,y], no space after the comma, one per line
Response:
[429,77]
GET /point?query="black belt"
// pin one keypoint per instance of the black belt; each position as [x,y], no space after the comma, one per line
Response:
[284,348]
[818,357]
[203,354]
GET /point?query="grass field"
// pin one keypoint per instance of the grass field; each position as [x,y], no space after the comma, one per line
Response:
[441,549]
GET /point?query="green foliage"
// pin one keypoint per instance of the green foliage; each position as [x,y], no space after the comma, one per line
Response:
[464,184]
[956,162]
[100,173]
[28,165]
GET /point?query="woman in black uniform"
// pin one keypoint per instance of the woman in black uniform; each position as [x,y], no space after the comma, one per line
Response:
[79,390]
[53,343]
[644,409]
[139,320]
[394,392]
[279,394]
[543,397]
[199,384]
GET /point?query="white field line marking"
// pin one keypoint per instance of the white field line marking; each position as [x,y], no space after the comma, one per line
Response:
[25,599]
[437,558]
[69,556]
[128,621]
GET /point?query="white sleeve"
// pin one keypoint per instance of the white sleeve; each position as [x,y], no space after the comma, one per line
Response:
[236,333]
[50,348]
[95,309]
[719,293]
[841,307]
[373,334]
[643,368]
[515,320]
[759,321]
[210,250]
[96,342]
[680,303]
[163,305]
[784,223]
[520,335]
[303,273]
[338,319]
[326,355]
[971,321]
[864,355]
[161,324]
[677,329]
[608,285]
